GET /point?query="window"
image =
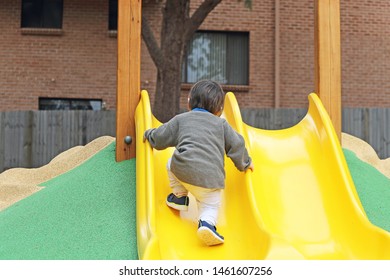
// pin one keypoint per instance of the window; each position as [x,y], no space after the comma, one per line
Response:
[69,104]
[113,15]
[42,14]
[220,56]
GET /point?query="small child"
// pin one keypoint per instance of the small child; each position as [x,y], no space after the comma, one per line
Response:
[201,139]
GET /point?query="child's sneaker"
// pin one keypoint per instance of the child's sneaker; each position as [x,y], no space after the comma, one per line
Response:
[178,203]
[208,234]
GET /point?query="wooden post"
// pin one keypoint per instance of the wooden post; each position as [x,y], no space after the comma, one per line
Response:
[128,76]
[328,58]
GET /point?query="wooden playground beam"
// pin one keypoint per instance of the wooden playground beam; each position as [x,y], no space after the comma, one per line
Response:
[128,76]
[328,58]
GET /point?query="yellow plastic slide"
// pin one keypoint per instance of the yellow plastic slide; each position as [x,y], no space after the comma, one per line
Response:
[299,203]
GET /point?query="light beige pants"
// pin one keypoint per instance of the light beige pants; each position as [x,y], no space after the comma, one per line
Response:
[208,200]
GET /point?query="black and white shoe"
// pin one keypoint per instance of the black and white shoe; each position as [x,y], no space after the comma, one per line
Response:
[208,234]
[178,203]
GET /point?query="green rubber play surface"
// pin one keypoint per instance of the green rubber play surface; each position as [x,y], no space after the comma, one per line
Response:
[88,213]
[373,188]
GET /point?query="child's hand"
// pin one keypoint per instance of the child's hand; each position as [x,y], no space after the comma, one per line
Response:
[251,167]
[146,135]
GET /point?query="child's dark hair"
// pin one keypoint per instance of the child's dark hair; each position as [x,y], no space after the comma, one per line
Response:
[208,95]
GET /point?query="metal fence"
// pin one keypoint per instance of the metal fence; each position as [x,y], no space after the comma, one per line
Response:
[33,138]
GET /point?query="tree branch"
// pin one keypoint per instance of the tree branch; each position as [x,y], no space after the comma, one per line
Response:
[198,17]
[151,43]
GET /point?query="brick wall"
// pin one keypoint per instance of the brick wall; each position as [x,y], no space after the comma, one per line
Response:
[296,52]
[81,62]
[365,53]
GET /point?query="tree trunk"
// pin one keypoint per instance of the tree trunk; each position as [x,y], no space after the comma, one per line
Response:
[176,32]
[172,47]
[168,90]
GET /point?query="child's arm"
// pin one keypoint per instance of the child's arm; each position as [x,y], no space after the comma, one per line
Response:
[162,137]
[235,149]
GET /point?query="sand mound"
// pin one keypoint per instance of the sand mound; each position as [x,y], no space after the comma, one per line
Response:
[18,183]
[366,153]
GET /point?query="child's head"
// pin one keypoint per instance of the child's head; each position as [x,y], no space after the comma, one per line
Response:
[208,95]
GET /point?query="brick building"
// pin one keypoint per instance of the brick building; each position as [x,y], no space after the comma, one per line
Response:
[76,61]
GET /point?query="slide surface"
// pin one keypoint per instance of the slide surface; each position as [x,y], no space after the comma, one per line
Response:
[299,203]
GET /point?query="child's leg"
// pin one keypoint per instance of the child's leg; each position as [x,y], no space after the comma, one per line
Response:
[178,199]
[209,201]
[177,187]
